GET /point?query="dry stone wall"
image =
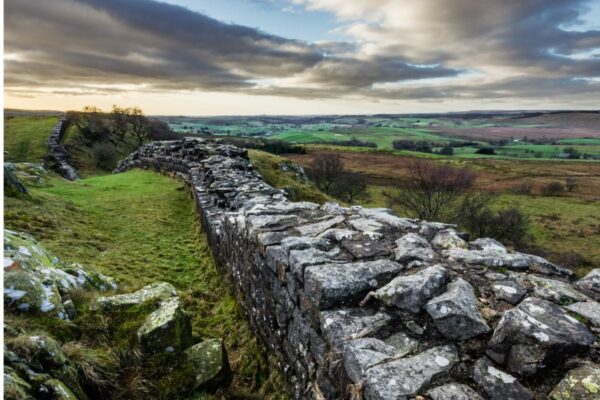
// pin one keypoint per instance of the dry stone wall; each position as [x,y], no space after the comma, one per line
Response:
[358,303]
[56,151]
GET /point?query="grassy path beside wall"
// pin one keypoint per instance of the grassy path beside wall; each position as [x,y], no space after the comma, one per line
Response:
[141,227]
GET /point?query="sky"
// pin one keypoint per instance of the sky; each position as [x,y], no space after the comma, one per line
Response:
[239,57]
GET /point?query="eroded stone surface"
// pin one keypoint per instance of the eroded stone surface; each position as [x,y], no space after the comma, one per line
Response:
[448,239]
[167,329]
[535,335]
[455,312]
[554,290]
[453,391]
[151,293]
[361,354]
[209,364]
[498,384]
[590,284]
[582,383]
[589,310]
[411,292]
[412,247]
[399,379]
[343,284]
[508,290]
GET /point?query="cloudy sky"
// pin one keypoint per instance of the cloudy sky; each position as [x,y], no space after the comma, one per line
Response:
[207,57]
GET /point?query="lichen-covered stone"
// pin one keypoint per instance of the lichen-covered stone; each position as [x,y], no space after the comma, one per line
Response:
[411,292]
[535,335]
[497,384]
[167,329]
[41,352]
[343,284]
[13,187]
[383,215]
[36,281]
[448,239]
[590,284]
[508,290]
[412,247]
[582,383]
[453,391]
[15,387]
[58,390]
[361,354]
[209,364]
[589,310]
[455,312]
[554,290]
[405,377]
[148,294]
[352,323]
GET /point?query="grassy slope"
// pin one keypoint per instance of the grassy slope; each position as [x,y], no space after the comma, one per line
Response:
[25,137]
[140,227]
[268,165]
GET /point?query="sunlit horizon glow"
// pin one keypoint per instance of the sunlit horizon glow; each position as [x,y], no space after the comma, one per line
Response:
[294,57]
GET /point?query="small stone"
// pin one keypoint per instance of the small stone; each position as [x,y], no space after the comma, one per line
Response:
[509,291]
[411,292]
[166,330]
[535,335]
[58,390]
[352,323]
[399,379]
[403,343]
[590,284]
[362,249]
[415,328]
[453,391]
[383,215]
[317,228]
[486,244]
[209,364]
[497,384]
[42,352]
[553,290]
[448,239]
[455,312]
[412,247]
[582,383]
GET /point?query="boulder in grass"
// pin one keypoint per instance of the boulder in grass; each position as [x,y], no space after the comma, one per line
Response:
[148,294]
[209,364]
[166,330]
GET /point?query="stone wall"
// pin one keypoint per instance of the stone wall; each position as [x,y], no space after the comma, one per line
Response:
[358,303]
[57,155]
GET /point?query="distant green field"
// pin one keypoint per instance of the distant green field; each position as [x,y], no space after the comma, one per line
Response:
[25,138]
[581,141]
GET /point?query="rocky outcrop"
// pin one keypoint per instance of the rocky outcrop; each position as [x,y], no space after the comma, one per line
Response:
[57,155]
[35,281]
[358,303]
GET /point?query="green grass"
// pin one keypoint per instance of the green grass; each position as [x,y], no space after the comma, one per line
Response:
[25,138]
[140,227]
[269,166]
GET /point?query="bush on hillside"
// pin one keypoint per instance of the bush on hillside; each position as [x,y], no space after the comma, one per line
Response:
[105,155]
[488,151]
[553,189]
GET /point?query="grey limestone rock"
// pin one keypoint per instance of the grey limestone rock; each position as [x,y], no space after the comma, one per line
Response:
[411,292]
[353,323]
[448,239]
[581,383]
[166,330]
[554,290]
[361,354]
[535,335]
[508,290]
[151,293]
[453,391]
[590,284]
[384,216]
[589,310]
[342,284]
[317,228]
[209,364]
[497,384]
[455,312]
[414,247]
[399,379]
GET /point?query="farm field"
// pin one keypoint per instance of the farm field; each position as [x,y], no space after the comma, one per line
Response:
[25,137]
[522,135]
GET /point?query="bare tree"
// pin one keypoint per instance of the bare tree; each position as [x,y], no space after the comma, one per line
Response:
[325,170]
[432,189]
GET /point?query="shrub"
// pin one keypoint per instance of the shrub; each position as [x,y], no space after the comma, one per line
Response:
[350,187]
[553,189]
[571,184]
[105,155]
[488,151]
[446,151]
[325,170]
